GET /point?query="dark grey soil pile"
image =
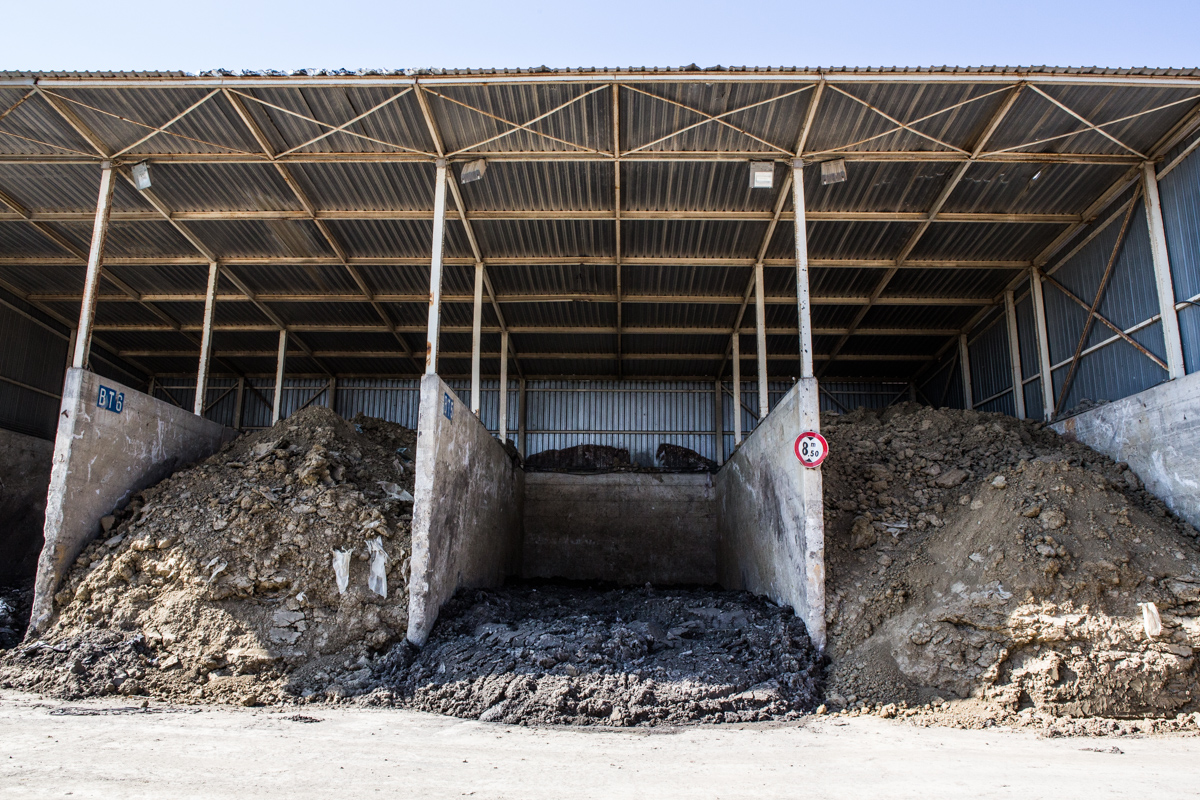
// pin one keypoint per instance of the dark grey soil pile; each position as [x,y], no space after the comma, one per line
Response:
[582,458]
[563,654]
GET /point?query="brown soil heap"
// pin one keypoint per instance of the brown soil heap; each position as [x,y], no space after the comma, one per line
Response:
[219,583]
[585,656]
[974,555]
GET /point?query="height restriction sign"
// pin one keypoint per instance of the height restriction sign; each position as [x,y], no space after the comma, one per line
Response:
[811,449]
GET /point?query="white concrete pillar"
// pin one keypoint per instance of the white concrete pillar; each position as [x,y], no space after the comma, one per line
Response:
[1039,318]
[435,268]
[210,303]
[964,364]
[504,386]
[803,302]
[91,284]
[1014,354]
[1162,274]
[760,331]
[280,366]
[735,342]
[476,339]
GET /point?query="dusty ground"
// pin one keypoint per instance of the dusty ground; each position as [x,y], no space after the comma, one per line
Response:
[976,556]
[120,751]
[573,655]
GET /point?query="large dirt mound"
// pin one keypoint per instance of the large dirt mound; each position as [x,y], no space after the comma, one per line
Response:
[977,556]
[565,654]
[219,582]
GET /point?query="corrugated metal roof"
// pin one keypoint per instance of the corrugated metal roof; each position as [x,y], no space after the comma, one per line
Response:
[356,148]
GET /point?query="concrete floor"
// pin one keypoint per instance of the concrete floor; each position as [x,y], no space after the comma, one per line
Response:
[355,753]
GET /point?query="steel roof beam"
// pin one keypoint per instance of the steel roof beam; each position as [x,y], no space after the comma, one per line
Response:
[565,356]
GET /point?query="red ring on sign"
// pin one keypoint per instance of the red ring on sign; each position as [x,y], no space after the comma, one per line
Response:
[824,449]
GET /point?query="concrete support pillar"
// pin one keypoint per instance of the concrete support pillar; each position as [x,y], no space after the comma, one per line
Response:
[521,406]
[735,343]
[91,283]
[503,386]
[476,339]
[718,423]
[435,268]
[760,331]
[803,303]
[1014,354]
[1039,318]
[210,305]
[1162,274]
[280,366]
[964,365]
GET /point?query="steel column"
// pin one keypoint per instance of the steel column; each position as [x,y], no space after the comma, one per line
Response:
[760,329]
[331,395]
[803,301]
[210,304]
[521,410]
[503,386]
[1162,275]
[239,404]
[718,423]
[964,365]
[476,336]
[280,365]
[735,343]
[435,268]
[1039,318]
[91,285]
[1014,354]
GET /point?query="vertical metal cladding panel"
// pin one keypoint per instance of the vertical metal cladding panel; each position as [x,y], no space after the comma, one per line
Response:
[991,367]
[1030,365]
[176,391]
[256,412]
[1180,195]
[749,411]
[35,357]
[220,397]
[944,387]
[1004,404]
[845,396]
[635,415]
[395,400]
[298,392]
[489,402]
[1116,370]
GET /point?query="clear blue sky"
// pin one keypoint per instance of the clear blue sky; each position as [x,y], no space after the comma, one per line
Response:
[123,34]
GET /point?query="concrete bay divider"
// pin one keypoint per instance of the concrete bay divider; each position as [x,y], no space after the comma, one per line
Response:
[466,527]
[112,442]
[771,513]
[1157,433]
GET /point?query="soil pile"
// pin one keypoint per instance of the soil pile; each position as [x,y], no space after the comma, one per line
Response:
[565,654]
[581,457]
[220,582]
[977,556]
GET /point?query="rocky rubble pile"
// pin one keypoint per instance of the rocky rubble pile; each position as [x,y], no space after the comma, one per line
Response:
[583,656]
[275,567]
[977,558]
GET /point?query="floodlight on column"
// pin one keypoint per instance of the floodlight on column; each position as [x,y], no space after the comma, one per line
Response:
[472,171]
[141,175]
[833,171]
[762,174]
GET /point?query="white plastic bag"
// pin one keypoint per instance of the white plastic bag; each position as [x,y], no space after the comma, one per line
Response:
[377,581]
[1150,620]
[395,492]
[341,569]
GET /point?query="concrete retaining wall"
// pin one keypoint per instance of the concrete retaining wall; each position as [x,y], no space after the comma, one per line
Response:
[24,475]
[624,527]
[466,528]
[771,514]
[102,457]
[1156,432]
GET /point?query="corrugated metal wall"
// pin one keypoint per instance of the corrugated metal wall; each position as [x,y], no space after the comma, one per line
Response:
[991,366]
[32,364]
[1179,192]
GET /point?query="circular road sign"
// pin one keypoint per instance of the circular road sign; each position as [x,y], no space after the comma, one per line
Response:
[811,449]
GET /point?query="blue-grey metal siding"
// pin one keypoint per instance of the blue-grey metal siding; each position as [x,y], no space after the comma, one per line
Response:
[991,368]
[34,355]
[1179,192]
